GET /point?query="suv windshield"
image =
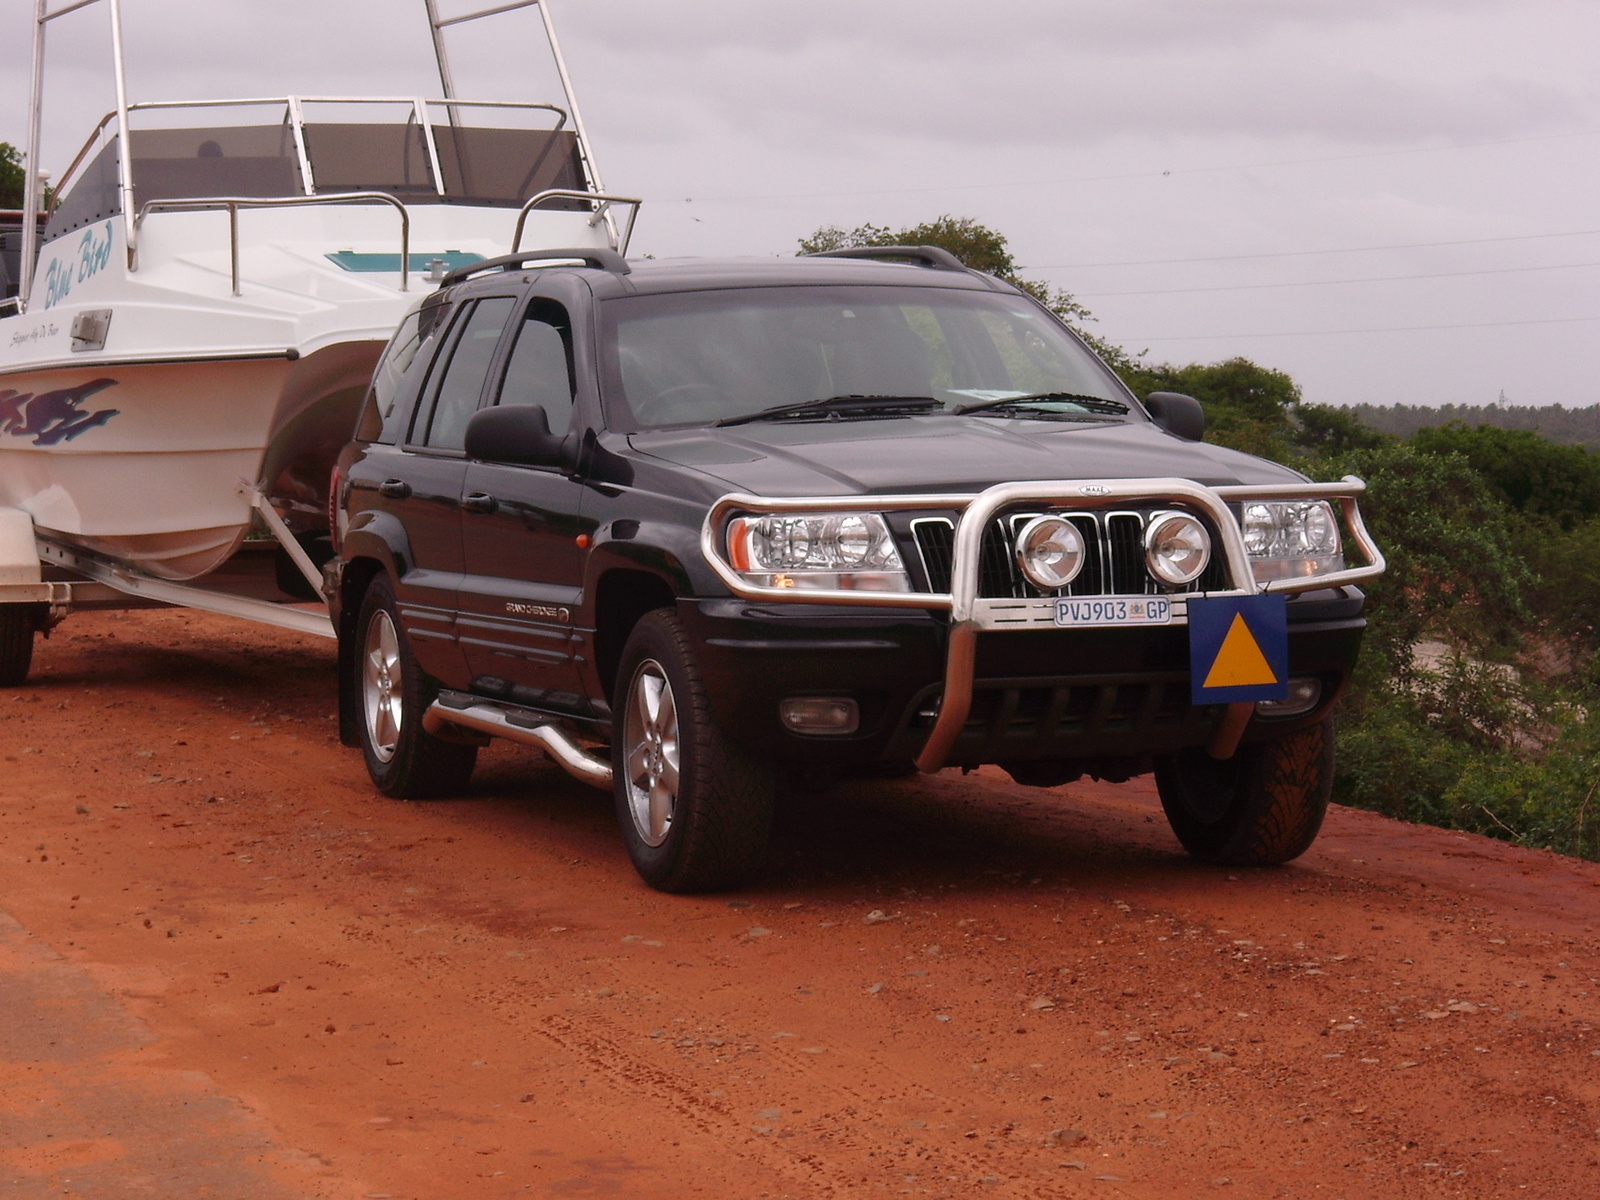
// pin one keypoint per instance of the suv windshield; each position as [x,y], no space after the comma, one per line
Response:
[697,358]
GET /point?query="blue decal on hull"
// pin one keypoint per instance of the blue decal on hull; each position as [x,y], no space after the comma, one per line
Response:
[52,417]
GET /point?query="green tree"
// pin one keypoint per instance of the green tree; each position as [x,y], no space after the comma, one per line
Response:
[1248,407]
[1455,574]
[1443,733]
[1565,593]
[1325,429]
[1257,409]
[977,246]
[12,177]
[1568,426]
[1536,477]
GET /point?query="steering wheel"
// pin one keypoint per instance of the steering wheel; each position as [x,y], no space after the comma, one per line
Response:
[686,402]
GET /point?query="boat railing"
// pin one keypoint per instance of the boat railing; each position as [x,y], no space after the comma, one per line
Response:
[602,212]
[234,203]
[294,110]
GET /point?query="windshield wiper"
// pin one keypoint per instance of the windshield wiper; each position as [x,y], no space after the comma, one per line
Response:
[1096,405]
[838,406]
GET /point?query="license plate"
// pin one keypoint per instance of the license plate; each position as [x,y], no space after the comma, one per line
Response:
[1114,610]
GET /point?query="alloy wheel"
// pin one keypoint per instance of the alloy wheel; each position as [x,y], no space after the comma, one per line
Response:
[381,701]
[650,728]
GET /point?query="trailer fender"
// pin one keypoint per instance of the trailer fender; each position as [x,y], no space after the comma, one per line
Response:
[19,556]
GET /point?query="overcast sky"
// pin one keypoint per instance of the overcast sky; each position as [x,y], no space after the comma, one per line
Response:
[1296,155]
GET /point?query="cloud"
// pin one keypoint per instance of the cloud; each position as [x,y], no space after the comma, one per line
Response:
[1021,72]
[1042,100]
[997,29]
[1028,74]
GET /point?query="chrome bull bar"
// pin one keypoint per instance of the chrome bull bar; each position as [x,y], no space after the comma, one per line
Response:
[971,614]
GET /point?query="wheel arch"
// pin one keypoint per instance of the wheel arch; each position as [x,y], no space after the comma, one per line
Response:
[622,596]
[354,580]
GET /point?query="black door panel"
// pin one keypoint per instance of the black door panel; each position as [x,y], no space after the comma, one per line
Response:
[428,565]
[522,582]
[522,577]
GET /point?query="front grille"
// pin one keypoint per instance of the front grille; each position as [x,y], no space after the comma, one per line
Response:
[1113,557]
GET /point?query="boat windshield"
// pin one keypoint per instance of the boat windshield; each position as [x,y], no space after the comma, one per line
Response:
[493,167]
[834,353]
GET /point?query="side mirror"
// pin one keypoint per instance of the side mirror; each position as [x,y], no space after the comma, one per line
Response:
[1174,412]
[516,433]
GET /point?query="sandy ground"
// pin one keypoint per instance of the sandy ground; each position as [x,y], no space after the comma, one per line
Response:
[232,970]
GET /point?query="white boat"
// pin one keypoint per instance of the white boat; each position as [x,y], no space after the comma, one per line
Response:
[197,322]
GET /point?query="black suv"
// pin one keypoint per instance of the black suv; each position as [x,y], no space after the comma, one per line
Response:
[694,526]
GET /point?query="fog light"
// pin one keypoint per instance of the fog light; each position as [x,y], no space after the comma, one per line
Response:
[1302,698]
[1050,552]
[1177,548]
[820,714]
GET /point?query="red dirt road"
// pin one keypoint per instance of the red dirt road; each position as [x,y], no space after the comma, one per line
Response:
[232,970]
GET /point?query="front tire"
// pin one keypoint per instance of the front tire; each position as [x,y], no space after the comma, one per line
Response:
[695,810]
[1261,807]
[404,760]
[16,643]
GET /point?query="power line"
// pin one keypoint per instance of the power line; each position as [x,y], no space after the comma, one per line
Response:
[1247,287]
[1205,337]
[1164,262]
[1027,183]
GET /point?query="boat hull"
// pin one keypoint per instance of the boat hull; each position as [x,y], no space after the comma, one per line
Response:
[149,463]
[136,399]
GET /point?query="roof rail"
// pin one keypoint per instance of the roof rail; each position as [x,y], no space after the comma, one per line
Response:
[936,257]
[597,257]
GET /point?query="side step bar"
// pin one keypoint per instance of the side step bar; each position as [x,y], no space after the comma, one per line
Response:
[483,717]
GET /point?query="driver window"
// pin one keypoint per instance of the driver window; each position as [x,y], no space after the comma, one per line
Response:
[540,368]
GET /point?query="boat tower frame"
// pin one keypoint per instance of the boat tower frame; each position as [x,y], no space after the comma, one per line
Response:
[44,14]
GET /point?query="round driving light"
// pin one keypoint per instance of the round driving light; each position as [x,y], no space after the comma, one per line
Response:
[1050,552]
[1176,548]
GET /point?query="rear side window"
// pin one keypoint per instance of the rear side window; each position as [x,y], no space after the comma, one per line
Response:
[455,390]
[540,367]
[395,381]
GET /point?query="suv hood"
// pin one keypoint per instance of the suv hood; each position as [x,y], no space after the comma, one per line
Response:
[943,454]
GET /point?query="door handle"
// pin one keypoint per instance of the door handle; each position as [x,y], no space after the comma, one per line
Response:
[395,489]
[479,502]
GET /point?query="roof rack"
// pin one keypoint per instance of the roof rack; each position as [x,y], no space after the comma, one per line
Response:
[935,257]
[597,257]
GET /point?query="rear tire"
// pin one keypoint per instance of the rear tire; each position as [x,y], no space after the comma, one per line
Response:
[695,810]
[1261,807]
[404,760]
[16,643]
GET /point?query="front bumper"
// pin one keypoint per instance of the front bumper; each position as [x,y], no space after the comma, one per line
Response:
[938,662]
[1042,695]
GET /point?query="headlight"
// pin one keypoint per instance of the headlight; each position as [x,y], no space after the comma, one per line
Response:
[818,551]
[1050,552]
[1291,538]
[1176,548]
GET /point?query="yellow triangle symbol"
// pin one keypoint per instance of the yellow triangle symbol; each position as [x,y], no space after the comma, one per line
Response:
[1239,663]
